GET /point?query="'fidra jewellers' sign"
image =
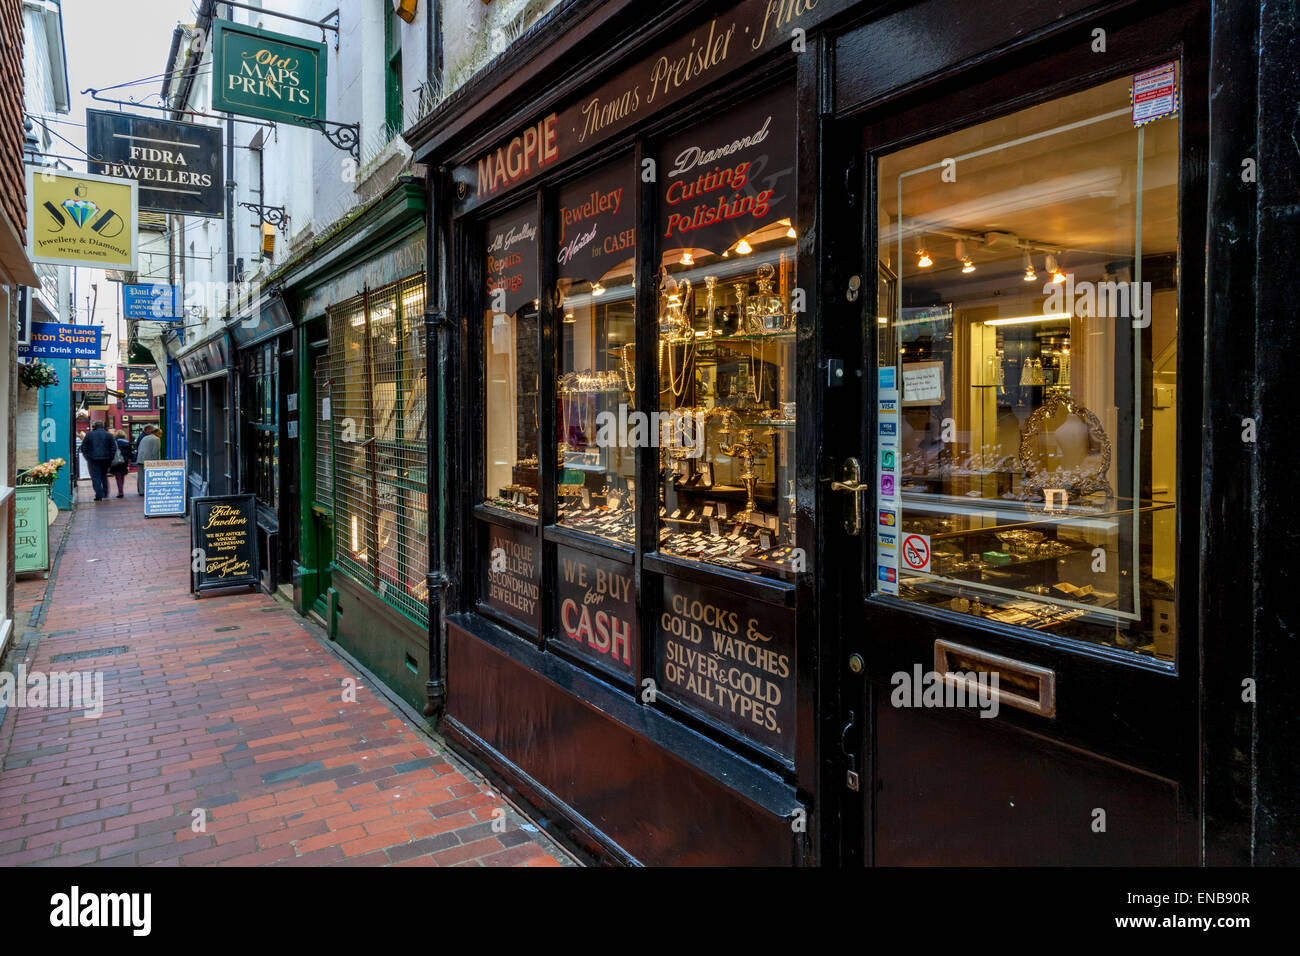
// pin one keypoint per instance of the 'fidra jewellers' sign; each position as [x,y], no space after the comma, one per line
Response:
[179,166]
[731,659]
[223,539]
[260,73]
[712,50]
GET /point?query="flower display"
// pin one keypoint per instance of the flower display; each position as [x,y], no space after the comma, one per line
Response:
[38,374]
[42,474]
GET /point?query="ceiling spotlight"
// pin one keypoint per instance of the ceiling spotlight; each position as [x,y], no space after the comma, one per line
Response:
[1054,267]
[688,259]
[1030,274]
[791,234]
[744,248]
[923,259]
[966,264]
[569,319]
[597,289]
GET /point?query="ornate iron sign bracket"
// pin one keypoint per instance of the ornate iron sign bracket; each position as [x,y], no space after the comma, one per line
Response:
[344,136]
[271,215]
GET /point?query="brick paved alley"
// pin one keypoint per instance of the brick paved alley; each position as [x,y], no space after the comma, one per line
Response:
[231,705]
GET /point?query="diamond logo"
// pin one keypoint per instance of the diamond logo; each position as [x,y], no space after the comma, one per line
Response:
[80,210]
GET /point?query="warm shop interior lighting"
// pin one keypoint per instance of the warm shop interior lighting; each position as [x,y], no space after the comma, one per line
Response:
[744,248]
[791,234]
[967,265]
[569,319]
[1028,319]
[1030,274]
[597,289]
[688,259]
[923,259]
[1054,267]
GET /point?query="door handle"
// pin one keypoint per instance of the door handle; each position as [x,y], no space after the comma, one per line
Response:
[852,483]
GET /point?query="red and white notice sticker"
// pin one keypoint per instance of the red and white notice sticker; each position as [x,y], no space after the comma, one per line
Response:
[1155,94]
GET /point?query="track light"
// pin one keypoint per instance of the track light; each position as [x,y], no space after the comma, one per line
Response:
[966,264]
[597,289]
[923,260]
[791,234]
[1030,274]
[688,259]
[1054,267]
[744,248]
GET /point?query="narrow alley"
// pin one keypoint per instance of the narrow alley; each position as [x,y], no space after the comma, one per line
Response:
[224,737]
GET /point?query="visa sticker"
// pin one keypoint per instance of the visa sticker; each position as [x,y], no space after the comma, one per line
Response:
[888,428]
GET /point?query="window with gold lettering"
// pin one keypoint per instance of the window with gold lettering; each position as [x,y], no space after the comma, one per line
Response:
[510,363]
[729,304]
[596,373]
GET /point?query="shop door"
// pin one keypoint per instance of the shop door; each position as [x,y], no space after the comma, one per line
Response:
[322,506]
[1019,653]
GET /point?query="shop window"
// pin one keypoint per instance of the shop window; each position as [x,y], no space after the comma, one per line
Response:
[1027,386]
[728,306]
[510,366]
[262,422]
[378,413]
[596,370]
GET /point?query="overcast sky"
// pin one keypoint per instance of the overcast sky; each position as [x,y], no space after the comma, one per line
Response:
[110,42]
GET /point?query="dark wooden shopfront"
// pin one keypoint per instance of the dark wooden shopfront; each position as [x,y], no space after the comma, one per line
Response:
[910,468]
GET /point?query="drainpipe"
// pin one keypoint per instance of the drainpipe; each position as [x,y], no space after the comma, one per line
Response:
[434,329]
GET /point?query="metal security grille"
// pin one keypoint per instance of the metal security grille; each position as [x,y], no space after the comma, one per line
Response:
[378,412]
[324,436]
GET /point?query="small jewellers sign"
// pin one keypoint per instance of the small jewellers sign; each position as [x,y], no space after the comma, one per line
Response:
[137,389]
[679,71]
[178,165]
[269,75]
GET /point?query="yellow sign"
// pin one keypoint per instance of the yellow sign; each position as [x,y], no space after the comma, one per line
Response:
[81,219]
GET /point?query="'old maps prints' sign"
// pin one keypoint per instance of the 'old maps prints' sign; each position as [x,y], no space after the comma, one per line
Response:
[730,659]
[271,75]
[223,542]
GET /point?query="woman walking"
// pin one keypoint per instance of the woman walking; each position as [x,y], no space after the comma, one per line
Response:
[121,461]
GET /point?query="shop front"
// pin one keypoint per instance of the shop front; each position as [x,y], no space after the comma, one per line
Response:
[206,411]
[826,426]
[266,371]
[358,418]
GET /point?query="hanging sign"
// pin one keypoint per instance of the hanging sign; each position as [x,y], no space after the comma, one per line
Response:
[24,316]
[179,166]
[80,219]
[31,529]
[154,301]
[90,378]
[269,75]
[597,608]
[164,488]
[52,340]
[730,658]
[223,542]
[137,389]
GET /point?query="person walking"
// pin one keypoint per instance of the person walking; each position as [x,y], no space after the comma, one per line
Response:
[99,448]
[149,448]
[121,461]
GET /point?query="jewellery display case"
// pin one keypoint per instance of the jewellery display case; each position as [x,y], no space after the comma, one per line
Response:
[726,402]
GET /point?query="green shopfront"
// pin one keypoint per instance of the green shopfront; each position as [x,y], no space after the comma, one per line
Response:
[358,421]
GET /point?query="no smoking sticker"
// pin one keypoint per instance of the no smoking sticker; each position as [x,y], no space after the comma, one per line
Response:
[916,552]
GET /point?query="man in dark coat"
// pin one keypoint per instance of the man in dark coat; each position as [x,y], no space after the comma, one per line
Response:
[98,448]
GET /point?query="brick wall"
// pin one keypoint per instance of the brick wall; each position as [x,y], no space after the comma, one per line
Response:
[13,188]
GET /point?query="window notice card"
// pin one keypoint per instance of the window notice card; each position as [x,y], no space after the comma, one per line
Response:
[1155,94]
[923,383]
